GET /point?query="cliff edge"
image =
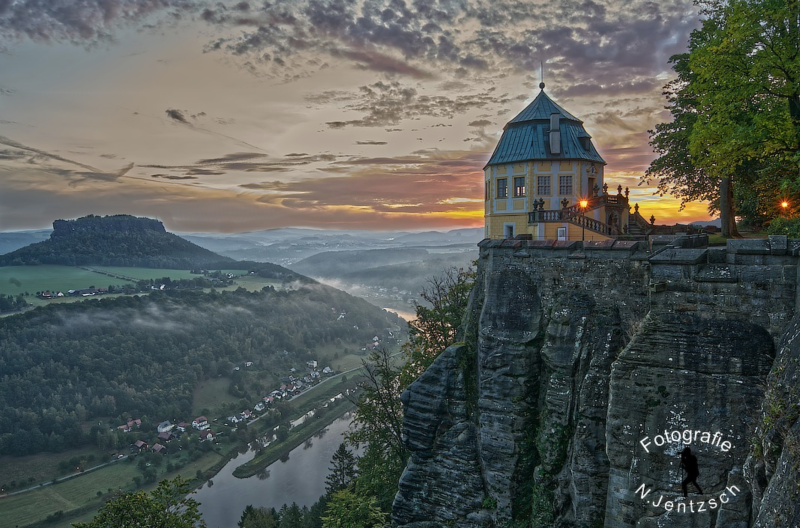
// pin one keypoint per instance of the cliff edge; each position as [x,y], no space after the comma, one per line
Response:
[585,371]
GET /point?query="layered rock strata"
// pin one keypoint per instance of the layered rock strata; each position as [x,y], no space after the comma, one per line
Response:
[574,356]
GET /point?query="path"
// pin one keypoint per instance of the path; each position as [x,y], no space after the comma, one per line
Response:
[62,479]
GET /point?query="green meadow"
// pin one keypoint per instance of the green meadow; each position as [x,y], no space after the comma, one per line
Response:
[15,280]
[20,279]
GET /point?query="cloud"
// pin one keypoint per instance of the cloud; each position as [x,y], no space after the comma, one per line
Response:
[388,103]
[179,117]
[403,196]
[586,45]
[20,146]
[371,142]
[173,177]
[480,123]
[176,115]
[82,22]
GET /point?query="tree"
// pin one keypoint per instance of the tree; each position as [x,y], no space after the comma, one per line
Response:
[735,111]
[291,516]
[348,510]
[379,411]
[258,518]
[678,171]
[342,470]
[438,320]
[747,60]
[167,506]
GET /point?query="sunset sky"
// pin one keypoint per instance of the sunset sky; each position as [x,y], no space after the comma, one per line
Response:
[365,114]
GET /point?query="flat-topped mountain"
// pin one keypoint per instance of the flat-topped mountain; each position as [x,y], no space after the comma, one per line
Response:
[119,240]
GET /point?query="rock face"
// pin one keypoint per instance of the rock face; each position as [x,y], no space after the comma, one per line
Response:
[579,367]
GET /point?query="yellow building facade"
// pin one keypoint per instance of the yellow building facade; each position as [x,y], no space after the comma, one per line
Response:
[541,169]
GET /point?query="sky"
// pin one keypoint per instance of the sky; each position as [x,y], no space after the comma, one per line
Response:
[337,114]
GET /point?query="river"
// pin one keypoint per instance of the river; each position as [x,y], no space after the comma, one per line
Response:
[299,479]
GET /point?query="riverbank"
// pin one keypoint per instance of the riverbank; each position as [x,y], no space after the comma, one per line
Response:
[78,498]
[297,435]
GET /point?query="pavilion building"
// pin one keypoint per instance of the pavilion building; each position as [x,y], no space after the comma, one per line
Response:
[543,168]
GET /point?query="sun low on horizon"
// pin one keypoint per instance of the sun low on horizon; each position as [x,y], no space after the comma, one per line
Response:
[335,114]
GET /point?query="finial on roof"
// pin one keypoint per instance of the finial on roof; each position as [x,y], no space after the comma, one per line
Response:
[541,75]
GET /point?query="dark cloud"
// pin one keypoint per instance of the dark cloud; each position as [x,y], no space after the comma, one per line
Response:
[203,172]
[236,156]
[388,103]
[481,123]
[173,177]
[179,116]
[584,43]
[11,143]
[251,162]
[82,22]
[329,96]
[7,154]
[372,60]
[176,115]
[595,89]
[370,142]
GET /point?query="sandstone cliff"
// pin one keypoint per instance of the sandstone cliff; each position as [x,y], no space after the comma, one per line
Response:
[576,359]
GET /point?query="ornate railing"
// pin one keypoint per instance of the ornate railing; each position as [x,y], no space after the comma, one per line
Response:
[639,220]
[576,216]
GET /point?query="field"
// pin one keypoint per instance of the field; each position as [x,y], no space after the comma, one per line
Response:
[15,280]
[20,279]
[135,274]
[82,492]
[211,394]
[42,467]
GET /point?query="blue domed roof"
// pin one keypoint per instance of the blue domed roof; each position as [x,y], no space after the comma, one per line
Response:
[526,137]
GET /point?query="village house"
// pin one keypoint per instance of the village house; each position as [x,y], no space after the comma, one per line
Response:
[165,426]
[139,445]
[200,423]
[158,448]
[207,434]
[183,426]
[166,436]
[130,425]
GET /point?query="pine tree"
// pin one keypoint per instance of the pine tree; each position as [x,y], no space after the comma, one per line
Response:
[342,470]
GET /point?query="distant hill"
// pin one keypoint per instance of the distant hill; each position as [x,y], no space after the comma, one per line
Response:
[411,276]
[337,263]
[119,240]
[14,240]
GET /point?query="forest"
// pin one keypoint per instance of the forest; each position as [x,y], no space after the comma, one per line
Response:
[62,365]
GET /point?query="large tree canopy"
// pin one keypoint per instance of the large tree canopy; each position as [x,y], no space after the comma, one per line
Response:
[735,109]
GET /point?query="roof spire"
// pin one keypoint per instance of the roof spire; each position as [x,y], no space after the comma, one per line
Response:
[541,76]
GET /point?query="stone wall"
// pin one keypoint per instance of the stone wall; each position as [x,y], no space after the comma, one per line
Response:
[575,354]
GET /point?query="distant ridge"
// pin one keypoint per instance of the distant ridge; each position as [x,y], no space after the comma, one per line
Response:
[119,240]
